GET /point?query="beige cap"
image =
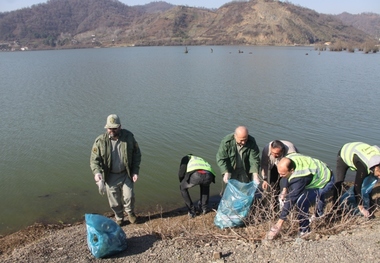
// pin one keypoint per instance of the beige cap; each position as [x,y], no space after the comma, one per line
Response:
[113,121]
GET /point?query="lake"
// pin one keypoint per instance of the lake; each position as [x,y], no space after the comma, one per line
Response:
[55,103]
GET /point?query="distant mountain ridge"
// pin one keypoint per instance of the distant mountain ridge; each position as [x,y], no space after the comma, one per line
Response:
[367,22]
[86,23]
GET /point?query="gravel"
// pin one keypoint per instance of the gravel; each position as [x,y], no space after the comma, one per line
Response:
[69,244]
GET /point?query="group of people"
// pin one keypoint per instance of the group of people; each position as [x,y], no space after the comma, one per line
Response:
[294,179]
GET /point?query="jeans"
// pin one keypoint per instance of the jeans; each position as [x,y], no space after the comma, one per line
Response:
[204,181]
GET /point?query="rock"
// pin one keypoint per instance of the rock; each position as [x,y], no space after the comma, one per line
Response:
[217,255]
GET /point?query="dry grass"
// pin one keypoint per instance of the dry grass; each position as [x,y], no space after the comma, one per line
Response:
[201,230]
[263,215]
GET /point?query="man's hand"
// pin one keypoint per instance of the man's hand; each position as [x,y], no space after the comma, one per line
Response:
[256,178]
[265,185]
[98,177]
[135,177]
[282,195]
[364,211]
[226,177]
[275,230]
[102,187]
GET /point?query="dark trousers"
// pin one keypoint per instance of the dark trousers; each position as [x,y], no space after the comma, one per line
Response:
[310,197]
[274,181]
[204,181]
[341,170]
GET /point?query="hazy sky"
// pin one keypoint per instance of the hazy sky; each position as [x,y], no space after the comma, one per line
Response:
[321,6]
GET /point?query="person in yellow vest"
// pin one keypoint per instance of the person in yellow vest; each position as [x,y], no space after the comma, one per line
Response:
[194,171]
[307,182]
[362,158]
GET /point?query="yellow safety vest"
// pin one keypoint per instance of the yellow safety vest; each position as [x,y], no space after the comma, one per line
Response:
[364,151]
[197,163]
[305,165]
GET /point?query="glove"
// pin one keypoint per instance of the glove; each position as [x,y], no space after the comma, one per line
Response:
[256,179]
[101,186]
[281,202]
[135,177]
[226,177]
[98,177]
[273,232]
[364,211]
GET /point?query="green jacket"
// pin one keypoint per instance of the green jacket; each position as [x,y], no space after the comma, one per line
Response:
[100,161]
[226,156]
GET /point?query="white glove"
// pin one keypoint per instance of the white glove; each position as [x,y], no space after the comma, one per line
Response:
[281,202]
[135,177]
[226,177]
[256,179]
[98,177]
[102,187]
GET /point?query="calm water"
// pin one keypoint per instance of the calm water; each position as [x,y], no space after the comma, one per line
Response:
[54,103]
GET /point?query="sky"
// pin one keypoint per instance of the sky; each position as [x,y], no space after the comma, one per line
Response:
[321,6]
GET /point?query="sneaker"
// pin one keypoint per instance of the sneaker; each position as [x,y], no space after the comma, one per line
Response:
[303,233]
[191,214]
[313,218]
[205,211]
[120,222]
[316,217]
[132,218]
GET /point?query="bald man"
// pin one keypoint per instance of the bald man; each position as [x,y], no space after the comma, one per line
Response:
[307,182]
[238,157]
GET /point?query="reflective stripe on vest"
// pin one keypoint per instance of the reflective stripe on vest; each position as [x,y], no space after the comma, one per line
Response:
[197,163]
[362,150]
[305,165]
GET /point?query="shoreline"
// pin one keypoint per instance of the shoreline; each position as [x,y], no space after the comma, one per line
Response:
[213,202]
[176,238]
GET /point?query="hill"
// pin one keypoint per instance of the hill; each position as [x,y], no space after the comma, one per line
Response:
[367,22]
[104,23]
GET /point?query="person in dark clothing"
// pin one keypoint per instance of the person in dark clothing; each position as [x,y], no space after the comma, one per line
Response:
[271,155]
[194,171]
[308,181]
[362,158]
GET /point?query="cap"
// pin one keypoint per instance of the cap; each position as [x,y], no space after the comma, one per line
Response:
[374,161]
[113,121]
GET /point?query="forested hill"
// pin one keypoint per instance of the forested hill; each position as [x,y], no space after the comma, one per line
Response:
[104,23]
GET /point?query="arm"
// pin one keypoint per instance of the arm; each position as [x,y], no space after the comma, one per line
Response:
[361,174]
[254,157]
[264,162]
[254,160]
[223,158]
[96,161]
[136,158]
[183,168]
[295,188]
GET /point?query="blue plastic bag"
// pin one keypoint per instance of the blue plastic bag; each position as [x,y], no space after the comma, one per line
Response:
[235,204]
[348,198]
[104,236]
